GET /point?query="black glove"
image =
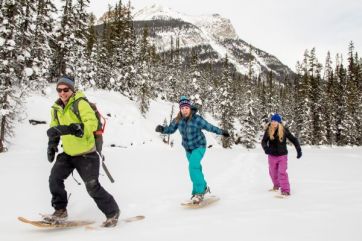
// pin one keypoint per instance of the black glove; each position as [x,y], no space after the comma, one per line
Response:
[51,153]
[267,151]
[76,129]
[52,148]
[159,128]
[299,154]
[225,133]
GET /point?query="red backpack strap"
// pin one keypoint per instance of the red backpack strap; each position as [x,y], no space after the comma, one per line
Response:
[103,126]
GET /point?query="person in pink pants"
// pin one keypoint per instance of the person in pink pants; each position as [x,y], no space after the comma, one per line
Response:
[274,143]
[278,172]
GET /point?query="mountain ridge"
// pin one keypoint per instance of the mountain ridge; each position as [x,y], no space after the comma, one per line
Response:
[213,30]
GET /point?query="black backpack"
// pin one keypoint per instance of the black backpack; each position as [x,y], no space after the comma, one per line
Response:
[98,134]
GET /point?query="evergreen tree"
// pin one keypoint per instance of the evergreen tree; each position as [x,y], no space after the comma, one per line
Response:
[249,122]
[92,36]
[225,105]
[353,96]
[342,119]
[71,41]
[271,99]
[143,76]
[15,67]
[330,105]
[317,100]
[123,49]
[103,77]
[262,96]
[358,71]
[287,104]
[245,105]
[40,45]
[303,115]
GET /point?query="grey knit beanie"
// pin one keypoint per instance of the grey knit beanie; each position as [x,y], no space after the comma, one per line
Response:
[66,81]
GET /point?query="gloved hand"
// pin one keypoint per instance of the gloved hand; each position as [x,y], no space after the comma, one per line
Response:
[267,151]
[51,153]
[159,128]
[225,133]
[299,154]
[76,129]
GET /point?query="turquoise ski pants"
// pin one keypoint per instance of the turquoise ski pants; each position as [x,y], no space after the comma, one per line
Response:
[195,170]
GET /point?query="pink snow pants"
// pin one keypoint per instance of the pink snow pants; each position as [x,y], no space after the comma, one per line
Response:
[278,171]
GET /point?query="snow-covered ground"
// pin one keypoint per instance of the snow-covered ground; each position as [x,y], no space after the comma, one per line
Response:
[152,180]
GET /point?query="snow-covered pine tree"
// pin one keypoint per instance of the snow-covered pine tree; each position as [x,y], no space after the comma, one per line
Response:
[249,122]
[92,34]
[343,120]
[123,44]
[210,85]
[317,100]
[245,107]
[70,44]
[143,77]
[25,37]
[92,55]
[84,66]
[129,47]
[103,57]
[198,84]
[303,112]
[176,77]
[358,70]
[62,37]
[225,103]
[330,106]
[287,104]
[16,32]
[271,95]
[353,96]
[40,44]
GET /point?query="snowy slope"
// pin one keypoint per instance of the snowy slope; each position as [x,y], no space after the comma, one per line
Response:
[152,179]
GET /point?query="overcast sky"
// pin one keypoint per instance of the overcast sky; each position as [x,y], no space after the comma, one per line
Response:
[284,28]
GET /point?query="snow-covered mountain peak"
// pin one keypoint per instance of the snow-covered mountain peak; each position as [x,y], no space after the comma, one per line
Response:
[212,35]
[215,24]
[157,11]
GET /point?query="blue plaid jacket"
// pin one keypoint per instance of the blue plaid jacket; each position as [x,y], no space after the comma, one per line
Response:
[190,130]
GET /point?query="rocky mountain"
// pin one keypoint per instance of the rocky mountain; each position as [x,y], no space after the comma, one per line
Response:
[210,37]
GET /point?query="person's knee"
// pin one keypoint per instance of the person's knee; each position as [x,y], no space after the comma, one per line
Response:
[55,183]
[282,173]
[92,187]
[194,165]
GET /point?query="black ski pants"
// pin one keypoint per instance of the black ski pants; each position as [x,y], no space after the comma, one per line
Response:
[88,168]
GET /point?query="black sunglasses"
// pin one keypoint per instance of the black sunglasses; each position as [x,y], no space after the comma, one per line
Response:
[65,90]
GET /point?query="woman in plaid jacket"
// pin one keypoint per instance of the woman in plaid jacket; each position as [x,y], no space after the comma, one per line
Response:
[190,125]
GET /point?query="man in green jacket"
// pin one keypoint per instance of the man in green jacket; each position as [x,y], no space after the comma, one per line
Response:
[79,153]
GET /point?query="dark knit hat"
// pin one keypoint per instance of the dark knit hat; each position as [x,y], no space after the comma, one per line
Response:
[276,117]
[66,81]
[184,101]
